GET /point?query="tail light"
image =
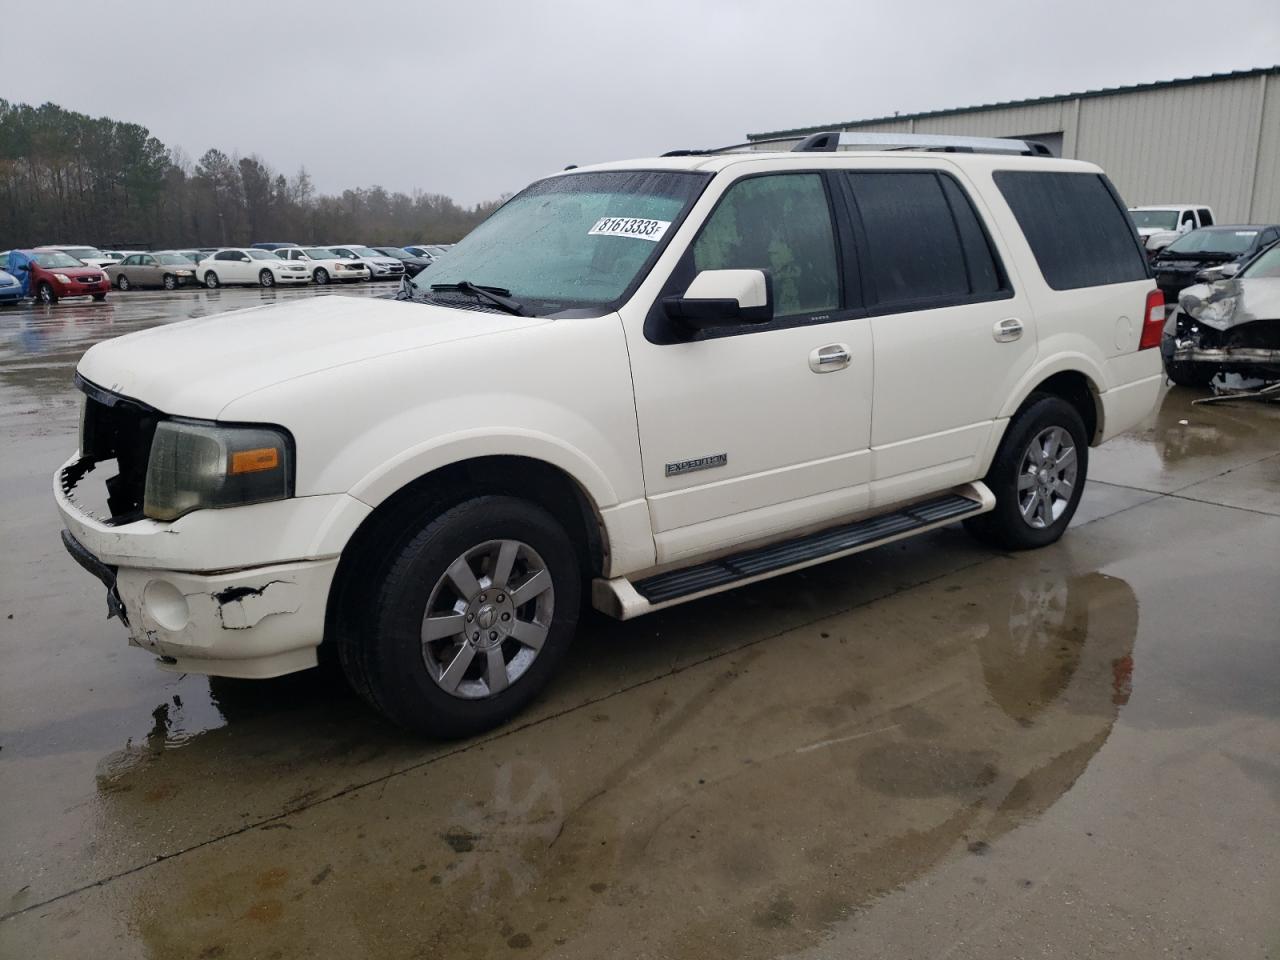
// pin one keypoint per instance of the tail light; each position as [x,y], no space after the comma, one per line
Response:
[1152,321]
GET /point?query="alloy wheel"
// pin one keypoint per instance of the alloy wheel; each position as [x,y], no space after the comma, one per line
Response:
[487,618]
[1047,477]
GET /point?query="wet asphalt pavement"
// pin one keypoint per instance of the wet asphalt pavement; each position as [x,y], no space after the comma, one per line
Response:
[928,750]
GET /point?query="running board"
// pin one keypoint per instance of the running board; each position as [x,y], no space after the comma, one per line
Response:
[624,600]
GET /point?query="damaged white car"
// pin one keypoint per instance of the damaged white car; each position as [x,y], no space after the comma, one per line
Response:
[1229,325]
[636,384]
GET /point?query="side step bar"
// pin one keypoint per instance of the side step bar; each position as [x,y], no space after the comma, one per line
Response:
[624,600]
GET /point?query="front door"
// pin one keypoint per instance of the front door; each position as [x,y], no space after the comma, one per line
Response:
[753,430]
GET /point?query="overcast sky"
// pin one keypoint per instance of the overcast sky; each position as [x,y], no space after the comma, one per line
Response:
[474,98]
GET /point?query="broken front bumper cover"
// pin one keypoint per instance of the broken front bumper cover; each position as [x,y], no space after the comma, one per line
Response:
[217,591]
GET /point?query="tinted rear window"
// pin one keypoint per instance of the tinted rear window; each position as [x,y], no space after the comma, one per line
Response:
[925,245]
[1080,234]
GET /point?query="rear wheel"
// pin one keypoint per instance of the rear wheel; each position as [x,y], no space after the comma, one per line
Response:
[267,278]
[1037,476]
[45,294]
[470,620]
[170,282]
[122,282]
[211,280]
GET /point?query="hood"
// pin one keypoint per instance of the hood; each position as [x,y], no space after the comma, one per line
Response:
[7,278]
[75,271]
[1231,303]
[196,367]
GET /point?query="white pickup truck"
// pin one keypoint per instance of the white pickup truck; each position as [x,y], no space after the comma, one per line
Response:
[635,384]
[1160,224]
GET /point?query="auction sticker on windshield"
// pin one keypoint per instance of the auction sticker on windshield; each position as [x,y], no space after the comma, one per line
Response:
[637,227]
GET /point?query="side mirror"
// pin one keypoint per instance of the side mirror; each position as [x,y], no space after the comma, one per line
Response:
[1224,272]
[245,259]
[24,267]
[717,298]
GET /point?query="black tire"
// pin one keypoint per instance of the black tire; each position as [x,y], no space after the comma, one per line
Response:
[169,281]
[1005,526]
[321,276]
[266,278]
[211,281]
[122,282]
[99,297]
[45,294]
[382,651]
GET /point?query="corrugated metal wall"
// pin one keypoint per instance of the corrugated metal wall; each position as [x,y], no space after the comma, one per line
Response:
[1214,142]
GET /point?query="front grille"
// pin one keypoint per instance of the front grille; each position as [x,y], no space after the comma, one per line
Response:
[120,429]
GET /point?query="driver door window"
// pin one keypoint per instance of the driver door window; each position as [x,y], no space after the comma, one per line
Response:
[782,224]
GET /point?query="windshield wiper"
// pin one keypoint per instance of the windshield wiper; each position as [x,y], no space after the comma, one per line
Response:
[498,296]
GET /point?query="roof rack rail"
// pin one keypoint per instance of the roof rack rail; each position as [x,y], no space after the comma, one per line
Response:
[745,146]
[835,140]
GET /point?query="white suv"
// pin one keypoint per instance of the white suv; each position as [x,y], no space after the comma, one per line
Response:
[640,382]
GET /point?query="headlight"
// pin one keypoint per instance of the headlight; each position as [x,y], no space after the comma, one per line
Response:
[1217,311]
[194,466]
[62,278]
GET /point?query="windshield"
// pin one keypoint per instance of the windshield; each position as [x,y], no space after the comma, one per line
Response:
[1158,219]
[579,240]
[172,258]
[393,252]
[56,258]
[262,255]
[320,253]
[1214,241]
[83,253]
[364,251]
[1265,267]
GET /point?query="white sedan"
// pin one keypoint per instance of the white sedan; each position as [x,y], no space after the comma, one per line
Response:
[324,265]
[248,265]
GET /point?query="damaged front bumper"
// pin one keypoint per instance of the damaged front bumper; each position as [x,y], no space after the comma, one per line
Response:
[213,591]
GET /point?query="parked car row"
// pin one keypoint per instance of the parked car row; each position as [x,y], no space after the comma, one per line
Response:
[51,273]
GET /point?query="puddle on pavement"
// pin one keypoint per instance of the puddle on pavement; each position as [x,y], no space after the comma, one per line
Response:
[735,809]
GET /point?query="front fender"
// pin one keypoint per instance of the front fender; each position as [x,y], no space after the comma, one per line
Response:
[438,452]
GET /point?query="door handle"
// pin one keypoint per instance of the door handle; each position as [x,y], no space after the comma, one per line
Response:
[1007,330]
[828,359]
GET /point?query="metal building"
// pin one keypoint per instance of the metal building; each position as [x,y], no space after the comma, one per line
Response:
[1212,139]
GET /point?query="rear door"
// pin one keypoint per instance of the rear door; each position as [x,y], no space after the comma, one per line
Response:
[952,333]
[750,430]
[147,272]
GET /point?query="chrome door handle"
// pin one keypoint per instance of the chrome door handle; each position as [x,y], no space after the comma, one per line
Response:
[832,357]
[1007,330]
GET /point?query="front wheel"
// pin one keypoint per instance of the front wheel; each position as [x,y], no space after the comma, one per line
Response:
[45,294]
[169,282]
[471,618]
[1037,476]
[211,280]
[321,276]
[99,297]
[267,279]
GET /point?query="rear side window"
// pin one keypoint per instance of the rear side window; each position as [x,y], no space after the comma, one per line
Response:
[924,243]
[1076,227]
[1206,218]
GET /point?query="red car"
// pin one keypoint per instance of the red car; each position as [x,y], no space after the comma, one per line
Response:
[51,275]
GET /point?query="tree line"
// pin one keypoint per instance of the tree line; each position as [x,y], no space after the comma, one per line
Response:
[69,178]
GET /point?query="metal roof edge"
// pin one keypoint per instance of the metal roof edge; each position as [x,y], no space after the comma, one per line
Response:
[1032,101]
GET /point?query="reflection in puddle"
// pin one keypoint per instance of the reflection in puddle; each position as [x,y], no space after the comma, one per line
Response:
[748,804]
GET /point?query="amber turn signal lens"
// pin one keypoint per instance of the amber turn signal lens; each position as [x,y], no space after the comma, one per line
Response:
[254,461]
